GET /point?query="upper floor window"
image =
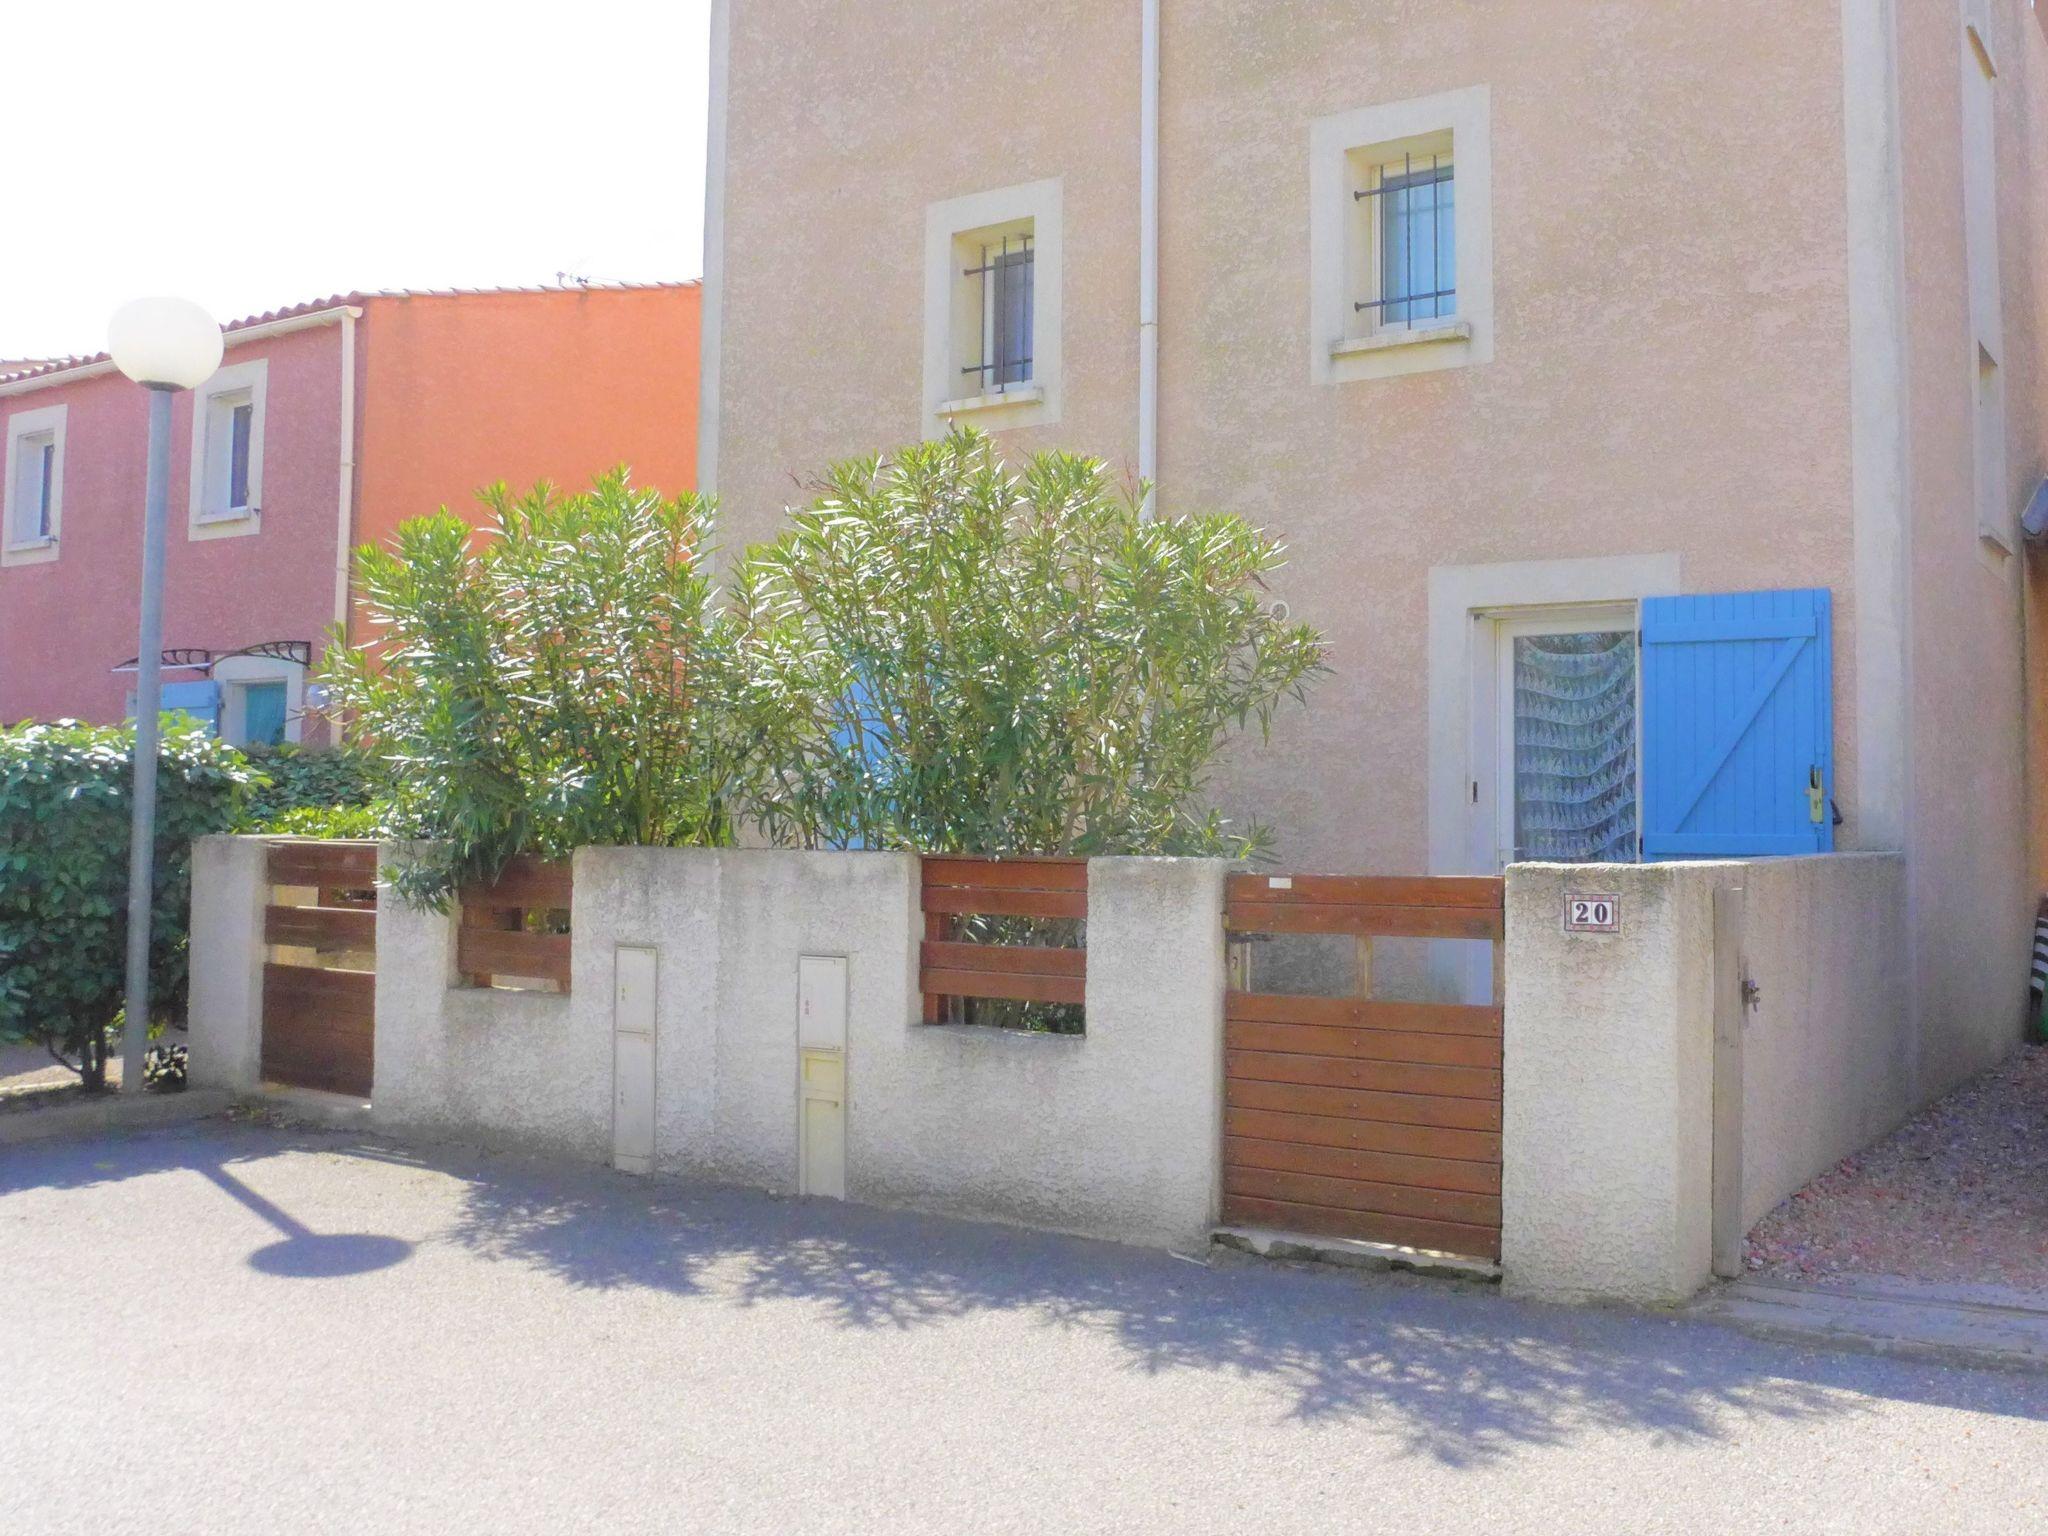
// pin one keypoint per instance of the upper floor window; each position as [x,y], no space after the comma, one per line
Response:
[34,496]
[999,281]
[227,451]
[1401,237]
[1407,232]
[992,308]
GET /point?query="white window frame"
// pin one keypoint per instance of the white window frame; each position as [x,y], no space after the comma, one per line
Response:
[1347,151]
[47,421]
[235,673]
[950,325]
[208,515]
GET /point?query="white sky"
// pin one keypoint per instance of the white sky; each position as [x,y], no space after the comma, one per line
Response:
[318,148]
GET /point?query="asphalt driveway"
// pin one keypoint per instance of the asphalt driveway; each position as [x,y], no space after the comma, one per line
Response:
[231,1328]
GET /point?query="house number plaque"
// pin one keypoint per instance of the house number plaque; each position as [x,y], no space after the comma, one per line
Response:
[1592,914]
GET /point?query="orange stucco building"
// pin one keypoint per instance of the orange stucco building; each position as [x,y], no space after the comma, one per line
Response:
[462,389]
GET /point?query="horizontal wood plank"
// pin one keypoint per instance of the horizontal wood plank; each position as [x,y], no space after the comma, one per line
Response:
[340,995]
[1364,1013]
[321,862]
[534,885]
[1375,1076]
[1474,1178]
[1007,874]
[1019,959]
[499,952]
[987,902]
[1364,1105]
[1365,921]
[1369,890]
[1468,1240]
[319,1028]
[321,927]
[1362,1195]
[1000,984]
[1364,1135]
[1364,1044]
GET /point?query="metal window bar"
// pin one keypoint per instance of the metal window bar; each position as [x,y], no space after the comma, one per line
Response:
[1007,274]
[1438,178]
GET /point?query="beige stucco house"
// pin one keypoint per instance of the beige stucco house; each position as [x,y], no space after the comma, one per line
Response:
[1508,318]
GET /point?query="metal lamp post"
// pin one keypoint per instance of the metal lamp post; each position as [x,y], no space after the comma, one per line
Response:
[164,345]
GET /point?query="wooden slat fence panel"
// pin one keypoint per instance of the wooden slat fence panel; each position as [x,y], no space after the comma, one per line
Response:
[508,952]
[335,865]
[320,990]
[321,927]
[952,967]
[495,943]
[1357,1117]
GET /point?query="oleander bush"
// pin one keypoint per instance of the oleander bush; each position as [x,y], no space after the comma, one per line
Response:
[980,658]
[564,679]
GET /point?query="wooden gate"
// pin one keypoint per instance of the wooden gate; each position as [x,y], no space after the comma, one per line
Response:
[320,971]
[1354,1117]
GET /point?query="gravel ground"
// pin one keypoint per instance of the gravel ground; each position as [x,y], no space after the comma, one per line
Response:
[1958,1196]
[241,1330]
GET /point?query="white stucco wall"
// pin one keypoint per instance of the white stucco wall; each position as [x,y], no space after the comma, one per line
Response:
[526,1069]
[1114,1133]
[1826,1050]
[1609,1147]
[1607,1112]
[224,1006]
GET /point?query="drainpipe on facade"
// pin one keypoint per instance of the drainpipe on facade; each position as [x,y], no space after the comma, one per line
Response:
[345,524]
[1148,251]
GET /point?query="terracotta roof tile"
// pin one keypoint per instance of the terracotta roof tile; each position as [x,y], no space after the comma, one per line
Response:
[335,301]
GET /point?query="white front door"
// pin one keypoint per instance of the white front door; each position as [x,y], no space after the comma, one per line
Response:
[1556,724]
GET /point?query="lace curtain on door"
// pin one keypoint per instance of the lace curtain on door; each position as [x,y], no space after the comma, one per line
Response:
[1575,748]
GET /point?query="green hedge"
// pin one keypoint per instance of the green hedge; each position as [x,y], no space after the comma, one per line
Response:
[300,780]
[65,793]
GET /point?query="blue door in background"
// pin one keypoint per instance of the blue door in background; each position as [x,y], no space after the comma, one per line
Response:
[263,714]
[1738,725]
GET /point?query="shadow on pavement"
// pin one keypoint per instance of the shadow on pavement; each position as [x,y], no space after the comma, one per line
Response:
[1455,1373]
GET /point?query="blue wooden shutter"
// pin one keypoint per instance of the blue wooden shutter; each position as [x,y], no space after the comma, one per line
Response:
[199,700]
[1738,725]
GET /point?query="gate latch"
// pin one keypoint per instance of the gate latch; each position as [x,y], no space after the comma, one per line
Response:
[1816,797]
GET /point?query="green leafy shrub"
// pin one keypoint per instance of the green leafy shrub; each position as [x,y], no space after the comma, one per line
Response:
[338,821]
[295,779]
[974,658]
[562,680]
[65,793]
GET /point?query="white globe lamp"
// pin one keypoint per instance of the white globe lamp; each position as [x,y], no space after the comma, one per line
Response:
[164,343]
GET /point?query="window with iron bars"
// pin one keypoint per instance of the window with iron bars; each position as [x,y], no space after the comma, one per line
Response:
[1003,273]
[1411,216]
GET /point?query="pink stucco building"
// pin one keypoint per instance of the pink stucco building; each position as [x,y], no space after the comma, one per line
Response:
[327,425]
[1648,394]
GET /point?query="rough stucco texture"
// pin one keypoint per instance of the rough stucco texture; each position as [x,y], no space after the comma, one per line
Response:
[224,1006]
[1670,291]
[1114,1134]
[1607,1146]
[1609,1151]
[1826,1050]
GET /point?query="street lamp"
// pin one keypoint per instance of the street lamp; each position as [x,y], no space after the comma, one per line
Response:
[164,345]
